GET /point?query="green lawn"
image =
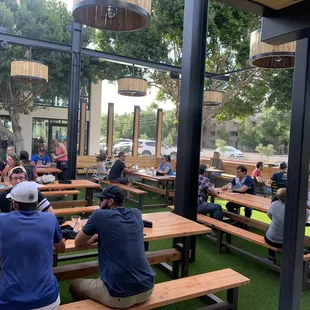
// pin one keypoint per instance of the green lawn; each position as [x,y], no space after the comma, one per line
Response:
[261,294]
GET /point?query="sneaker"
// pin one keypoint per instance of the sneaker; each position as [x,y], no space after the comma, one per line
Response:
[271,261]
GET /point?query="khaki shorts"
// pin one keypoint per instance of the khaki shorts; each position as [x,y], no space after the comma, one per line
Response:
[53,306]
[95,289]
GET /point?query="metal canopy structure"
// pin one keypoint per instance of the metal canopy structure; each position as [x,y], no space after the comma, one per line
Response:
[76,50]
[282,22]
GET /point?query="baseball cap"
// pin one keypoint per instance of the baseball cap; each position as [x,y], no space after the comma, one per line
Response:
[41,149]
[26,192]
[120,154]
[283,165]
[13,170]
[114,192]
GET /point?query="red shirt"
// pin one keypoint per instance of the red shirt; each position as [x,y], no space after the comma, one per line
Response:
[256,173]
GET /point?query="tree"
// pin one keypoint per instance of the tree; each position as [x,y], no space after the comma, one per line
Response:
[265,150]
[41,19]
[221,145]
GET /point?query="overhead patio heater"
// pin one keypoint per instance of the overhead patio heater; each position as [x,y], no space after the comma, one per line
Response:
[263,55]
[113,15]
[212,98]
[132,86]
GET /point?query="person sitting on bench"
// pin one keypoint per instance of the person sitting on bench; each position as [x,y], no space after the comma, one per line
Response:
[205,188]
[242,183]
[27,239]
[278,180]
[274,234]
[126,277]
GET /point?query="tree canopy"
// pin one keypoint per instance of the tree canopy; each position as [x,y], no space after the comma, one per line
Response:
[46,20]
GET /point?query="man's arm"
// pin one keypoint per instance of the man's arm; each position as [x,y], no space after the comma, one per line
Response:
[213,192]
[85,235]
[272,179]
[59,244]
[242,189]
[82,239]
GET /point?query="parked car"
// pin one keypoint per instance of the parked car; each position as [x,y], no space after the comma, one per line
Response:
[231,151]
[124,146]
[148,147]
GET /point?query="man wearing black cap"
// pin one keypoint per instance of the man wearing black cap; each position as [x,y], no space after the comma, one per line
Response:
[41,159]
[126,277]
[278,179]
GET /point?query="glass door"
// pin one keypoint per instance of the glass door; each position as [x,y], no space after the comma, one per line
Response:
[57,132]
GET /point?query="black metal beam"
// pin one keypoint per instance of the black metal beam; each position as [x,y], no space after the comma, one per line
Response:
[74,99]
[287,25]
[125,60]
[297,185]
[20,40]
[190,115]
[232,72]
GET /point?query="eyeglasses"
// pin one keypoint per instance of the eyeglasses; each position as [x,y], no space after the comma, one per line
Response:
[22,178]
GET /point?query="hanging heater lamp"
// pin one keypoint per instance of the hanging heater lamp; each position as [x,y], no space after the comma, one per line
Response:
[263,55]
[113,15]
[212,98]
[132,86]
[29,71]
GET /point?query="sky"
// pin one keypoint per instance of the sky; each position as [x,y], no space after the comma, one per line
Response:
[124,104]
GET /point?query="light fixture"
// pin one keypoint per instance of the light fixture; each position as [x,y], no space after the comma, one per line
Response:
[212,98]
[113,15]
[132,86]
[263,55]
[29,71]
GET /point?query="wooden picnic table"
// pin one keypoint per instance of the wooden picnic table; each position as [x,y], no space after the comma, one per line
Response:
[46,170]
[258,203]
[166,225]
[88,185]
[156,178]
[210,170]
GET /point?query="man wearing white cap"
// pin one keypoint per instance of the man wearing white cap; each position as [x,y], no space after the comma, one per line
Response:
[18,174]
[27,240]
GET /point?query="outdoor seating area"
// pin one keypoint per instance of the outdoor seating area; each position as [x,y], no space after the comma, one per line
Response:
[153,155]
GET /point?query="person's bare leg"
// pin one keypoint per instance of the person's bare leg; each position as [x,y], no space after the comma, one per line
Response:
[75,291]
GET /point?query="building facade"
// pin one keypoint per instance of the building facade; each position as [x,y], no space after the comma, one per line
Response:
[49,122]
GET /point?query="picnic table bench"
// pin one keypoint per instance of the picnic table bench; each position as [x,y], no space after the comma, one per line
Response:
[230,230]
[170,292]
[140,193]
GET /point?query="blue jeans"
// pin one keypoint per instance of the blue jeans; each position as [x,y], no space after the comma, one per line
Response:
[267,191]
[213,209]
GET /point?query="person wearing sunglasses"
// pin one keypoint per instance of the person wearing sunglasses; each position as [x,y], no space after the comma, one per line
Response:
[126,277]
[17,175]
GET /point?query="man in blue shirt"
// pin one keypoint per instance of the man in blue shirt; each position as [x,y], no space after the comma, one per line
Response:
[41,159]
[244,184]
[278,180]
[27,239]
[126,277]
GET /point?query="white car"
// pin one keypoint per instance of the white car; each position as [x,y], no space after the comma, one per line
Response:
[148,147]
[230,151]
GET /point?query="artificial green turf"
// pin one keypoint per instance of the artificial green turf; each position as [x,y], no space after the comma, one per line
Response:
[261,294]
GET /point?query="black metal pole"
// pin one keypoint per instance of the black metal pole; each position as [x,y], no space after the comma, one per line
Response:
[297,186]
[190,115]
[74,98]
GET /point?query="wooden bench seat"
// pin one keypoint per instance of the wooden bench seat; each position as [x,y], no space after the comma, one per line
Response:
[60,193]
[84,269]
[77,210]
[249,236]
[167,293]
[68,203]
[136,191]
